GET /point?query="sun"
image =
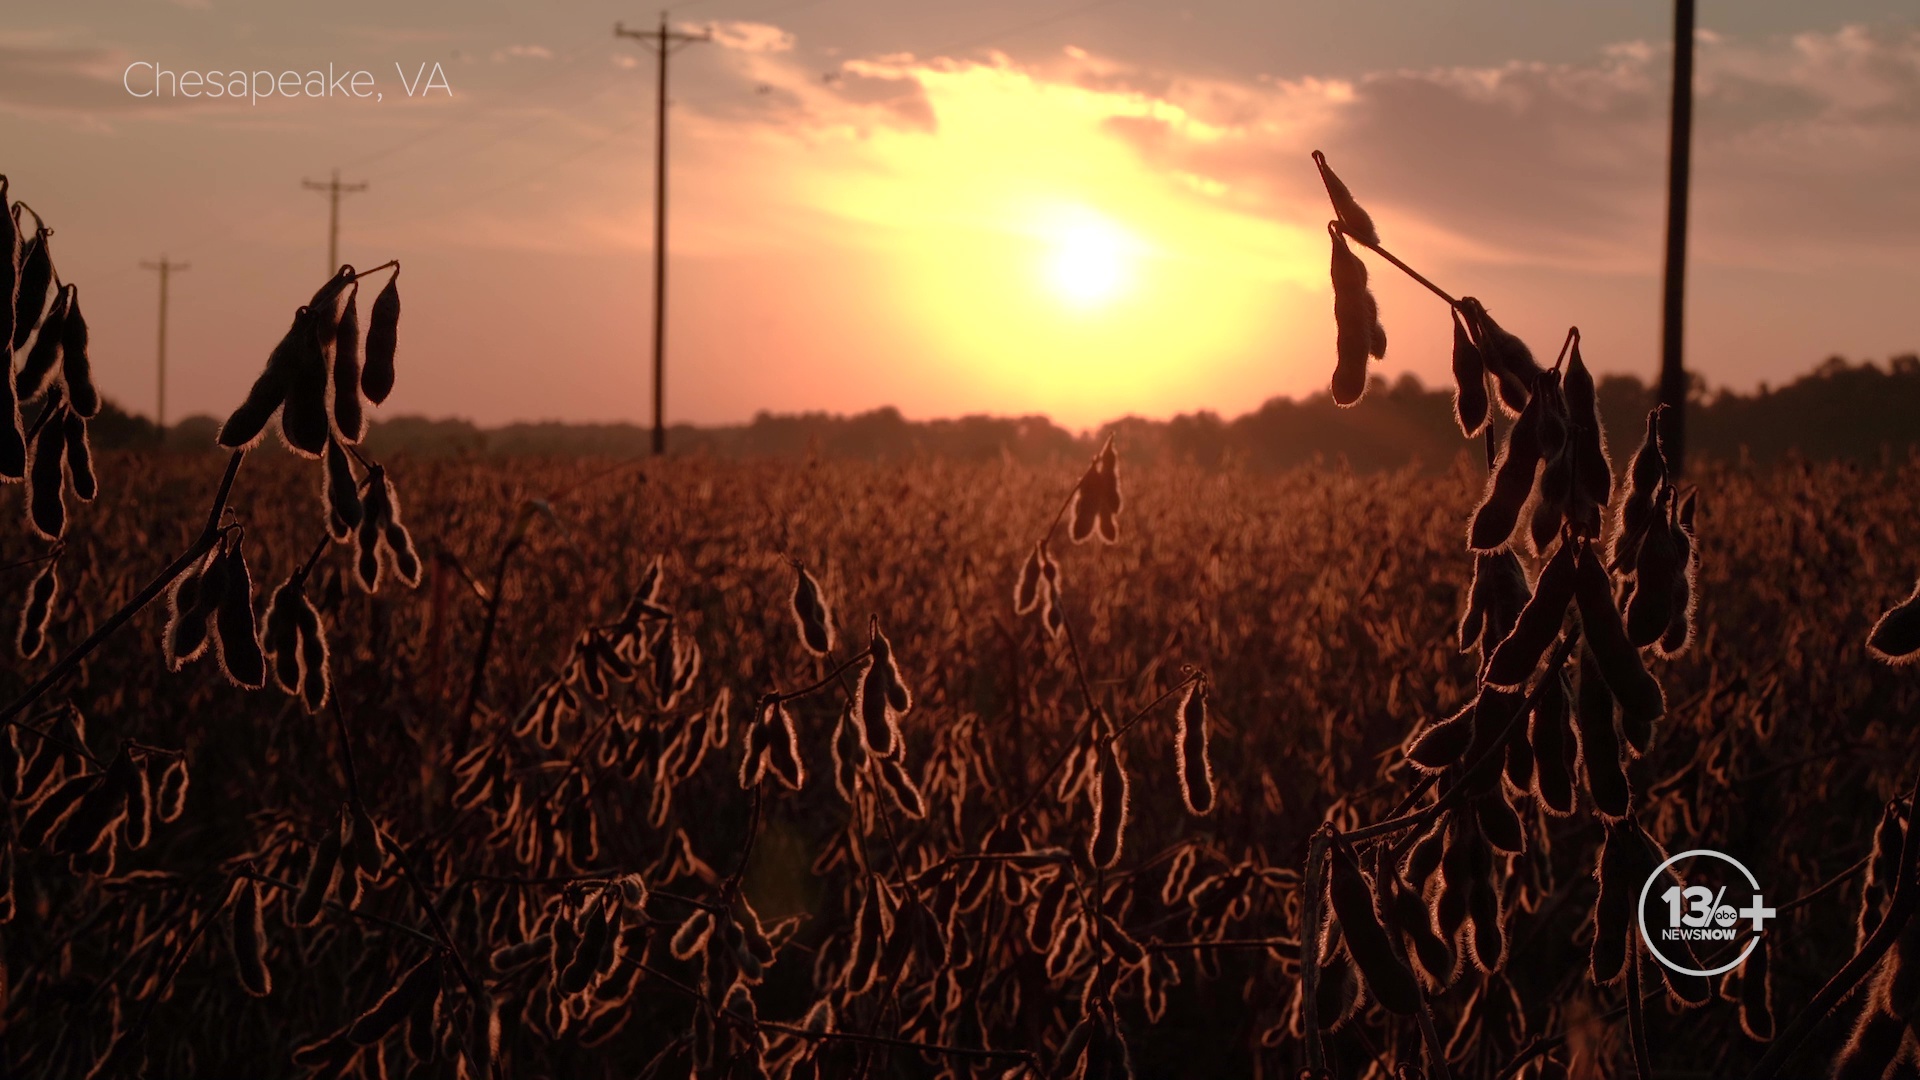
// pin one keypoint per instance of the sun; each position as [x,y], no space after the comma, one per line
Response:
[1090,258]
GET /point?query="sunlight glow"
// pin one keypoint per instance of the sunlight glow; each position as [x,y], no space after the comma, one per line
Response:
[1090,262]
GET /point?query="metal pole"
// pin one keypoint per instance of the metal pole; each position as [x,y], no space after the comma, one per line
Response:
[334,189]
[160,391]
[662,41]
[660,250]
[1673,374]
[166,269]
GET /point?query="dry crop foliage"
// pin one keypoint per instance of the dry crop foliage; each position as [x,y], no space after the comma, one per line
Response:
[637,793]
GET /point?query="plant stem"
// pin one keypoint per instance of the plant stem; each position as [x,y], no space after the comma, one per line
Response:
[208,537]
[1310,948]
[1906,896]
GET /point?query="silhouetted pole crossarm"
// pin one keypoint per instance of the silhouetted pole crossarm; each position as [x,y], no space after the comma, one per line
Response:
[334,189]
[662,41]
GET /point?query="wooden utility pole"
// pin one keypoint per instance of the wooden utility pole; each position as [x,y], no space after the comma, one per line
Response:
[663,42]
[1673,373]
[166,269]
[334,189]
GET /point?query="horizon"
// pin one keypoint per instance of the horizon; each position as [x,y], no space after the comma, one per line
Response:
[1706,392]
[1095,211]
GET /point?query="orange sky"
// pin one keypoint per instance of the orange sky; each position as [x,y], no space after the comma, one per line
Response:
[1075,230]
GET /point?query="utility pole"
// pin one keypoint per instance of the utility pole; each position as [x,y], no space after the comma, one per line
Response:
[663,42]
[1673,374]
[334,189]
[166,269]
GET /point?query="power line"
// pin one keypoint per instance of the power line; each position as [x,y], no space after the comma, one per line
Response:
[166,268]
[334,189]
[663,42]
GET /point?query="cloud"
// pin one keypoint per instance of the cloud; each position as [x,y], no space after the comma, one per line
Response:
[751,37]
[522,52]
[38,77]
[1804,145]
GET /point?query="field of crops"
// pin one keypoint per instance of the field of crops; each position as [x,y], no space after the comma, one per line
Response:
[638,865]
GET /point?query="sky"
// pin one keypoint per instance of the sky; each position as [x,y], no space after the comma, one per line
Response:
[1082,208]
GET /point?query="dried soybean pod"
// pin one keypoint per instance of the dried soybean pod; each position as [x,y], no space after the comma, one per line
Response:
[848,755]
[1553,500]
[376,509]
[1514,369]
[811,613]
[901,787]
[35,285]
[871,928]
[53,809]
[47,504]
[1386,974]
[80,459]
[1642,701]
[1874,1048]
[342,493]
[1110,808]
[99,811]
[1442,743]
[1895,639]
[1074,1050]
[1357,222]
[1407,913]
[282,637]
[1538,625]
[349,419]
[1498,822]
[1470,406]
[783,749]
[594,930]
[1679,633]
[1645,476]
[304,423]
[1486,925]
[1599,745]
[1424,856]
[1553,750]
[138,826]
[1456,861]
[35,615]
[1026,589]
[36,371]
[171,798]
[1518,768]
[243,427]
[1356,318]
[236,638]
[376,377]
[876,720]
[1656,566]
[387,1013]
[315,680]
[1593,474]
[1756,994]
[249,940]
[9,271]
[893,688]
[1044,917]
[323,869]
[1190,750]
[13,442]
[75,370]
[1613,909]
[1497,596]
[1512,481]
